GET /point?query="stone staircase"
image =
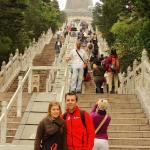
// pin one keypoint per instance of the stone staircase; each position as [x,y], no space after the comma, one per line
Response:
[129,128]
[13,120]
[46,58]
[14,85]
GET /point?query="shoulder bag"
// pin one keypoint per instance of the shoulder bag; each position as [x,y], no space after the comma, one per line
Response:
[100,125]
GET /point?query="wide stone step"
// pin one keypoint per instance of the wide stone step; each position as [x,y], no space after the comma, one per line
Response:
[130,141]
[129,134]
[127,115]
[126,147]
[128,127]
[16,147]
[114,105]
[134,110]
[13,125]
[11,132]
[110,100]
[100,95]
[129,121]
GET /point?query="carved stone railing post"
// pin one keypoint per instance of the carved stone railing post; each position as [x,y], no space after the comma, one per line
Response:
[21,61]
[129,85]
[3,74]
[30,82]
[10,57]
[144,59]
[33,51]
[19,98]
[135,64]
[16,63]
[4,123]
[3,66]
[122,83]
[10,68]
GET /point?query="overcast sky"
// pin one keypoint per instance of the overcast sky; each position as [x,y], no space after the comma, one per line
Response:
[63,2]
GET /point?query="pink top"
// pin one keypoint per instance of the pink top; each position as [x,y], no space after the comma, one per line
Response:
[97,119]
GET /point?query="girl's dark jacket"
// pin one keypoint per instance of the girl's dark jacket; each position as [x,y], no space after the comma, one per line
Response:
[50,132]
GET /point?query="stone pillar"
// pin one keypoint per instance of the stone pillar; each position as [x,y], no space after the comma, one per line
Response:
[10,69]
[17,63]
[123,86]
[129,85]
[4,122]
[30,82]
[21,62]
[144,59]
[19,98]
[3,66]
[135,64]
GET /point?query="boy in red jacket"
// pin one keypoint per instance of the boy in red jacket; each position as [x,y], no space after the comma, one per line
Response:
[79,136]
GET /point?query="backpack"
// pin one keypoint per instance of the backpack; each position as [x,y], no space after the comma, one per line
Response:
[115,65]
[82,114]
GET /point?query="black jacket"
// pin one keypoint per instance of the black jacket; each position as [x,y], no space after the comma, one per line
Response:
[50,132]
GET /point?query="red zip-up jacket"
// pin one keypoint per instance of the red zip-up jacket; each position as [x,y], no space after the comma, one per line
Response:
[79,137]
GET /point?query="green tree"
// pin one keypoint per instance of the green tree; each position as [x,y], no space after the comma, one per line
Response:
[125,25]
[12,26]
[21,21]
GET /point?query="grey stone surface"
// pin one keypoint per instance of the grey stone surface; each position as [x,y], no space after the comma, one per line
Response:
[33,118]
[16,147]
[39,107]
[35,112]
[28,133]
[24,142]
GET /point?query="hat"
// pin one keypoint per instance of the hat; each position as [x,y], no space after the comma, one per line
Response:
[102,104]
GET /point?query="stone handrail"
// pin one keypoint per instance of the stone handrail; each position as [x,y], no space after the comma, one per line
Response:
[64,90]
[137,81]
[17,97]
[20,62]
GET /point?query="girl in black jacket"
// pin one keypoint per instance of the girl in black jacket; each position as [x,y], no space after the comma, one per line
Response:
[51,130]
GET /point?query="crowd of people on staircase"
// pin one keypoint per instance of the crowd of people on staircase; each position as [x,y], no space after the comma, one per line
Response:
[76,129]
[86,61]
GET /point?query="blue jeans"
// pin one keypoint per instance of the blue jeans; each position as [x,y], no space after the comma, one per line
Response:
[77,77]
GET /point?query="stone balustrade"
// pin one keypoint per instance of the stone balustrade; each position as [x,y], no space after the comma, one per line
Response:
[24,62]
[16,98]
[137,81]
[20,62]
[18,95]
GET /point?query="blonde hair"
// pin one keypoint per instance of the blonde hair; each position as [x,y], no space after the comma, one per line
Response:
[102,104]
[51,104]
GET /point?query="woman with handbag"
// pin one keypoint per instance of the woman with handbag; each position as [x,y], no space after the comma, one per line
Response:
[101,122]
[51,131]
